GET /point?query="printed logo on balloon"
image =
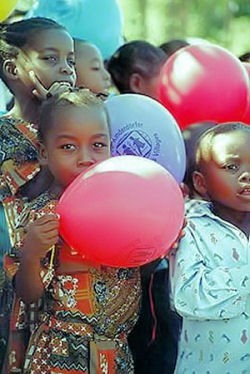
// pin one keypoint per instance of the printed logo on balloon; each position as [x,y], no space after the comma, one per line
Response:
[140,126]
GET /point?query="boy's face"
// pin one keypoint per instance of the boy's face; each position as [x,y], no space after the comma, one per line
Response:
[50,54]
[90,70]
[77,139]
[226,170]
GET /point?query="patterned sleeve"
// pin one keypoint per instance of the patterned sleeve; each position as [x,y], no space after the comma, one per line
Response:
[12,259]
[203,290]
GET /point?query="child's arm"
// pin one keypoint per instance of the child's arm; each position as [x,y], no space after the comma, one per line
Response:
[41,236]
[203,290]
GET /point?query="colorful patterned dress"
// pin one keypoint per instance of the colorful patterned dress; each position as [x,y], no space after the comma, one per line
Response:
[86,315]
[18,164]
[210,274]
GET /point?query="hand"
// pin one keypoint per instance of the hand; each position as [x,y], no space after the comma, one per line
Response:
[43,93]
[41,235]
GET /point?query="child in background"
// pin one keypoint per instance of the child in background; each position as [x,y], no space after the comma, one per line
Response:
[90,308]
[210,269]
[36,58]
[135,68]
[90,69]
[173,45]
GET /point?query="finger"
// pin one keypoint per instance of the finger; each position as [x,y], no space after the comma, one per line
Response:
[39,91]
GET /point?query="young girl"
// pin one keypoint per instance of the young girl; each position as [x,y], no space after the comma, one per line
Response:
[210,270]
[90,309]
[90,69]
[36,57]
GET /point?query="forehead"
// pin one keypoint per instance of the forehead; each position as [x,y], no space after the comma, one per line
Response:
[51,39]
[94,119]
[87,51]
[231,142]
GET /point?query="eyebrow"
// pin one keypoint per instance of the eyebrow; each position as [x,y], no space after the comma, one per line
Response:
[72,136]
[52,49]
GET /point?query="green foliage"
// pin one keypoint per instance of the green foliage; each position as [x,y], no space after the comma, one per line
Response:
[224,22]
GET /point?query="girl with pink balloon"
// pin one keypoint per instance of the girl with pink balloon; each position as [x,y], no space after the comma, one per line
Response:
[90,308]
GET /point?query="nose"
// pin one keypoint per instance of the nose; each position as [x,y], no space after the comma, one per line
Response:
[106,76]
[245,177]
[85,158]
[66,68]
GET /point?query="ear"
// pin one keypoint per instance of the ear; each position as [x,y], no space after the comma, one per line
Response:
[135,82]
[199,183]
[42,154]
[10,70]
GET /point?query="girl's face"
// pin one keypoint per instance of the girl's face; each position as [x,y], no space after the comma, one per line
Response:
[77,139]
[90,70]
[227,171]
[50,55]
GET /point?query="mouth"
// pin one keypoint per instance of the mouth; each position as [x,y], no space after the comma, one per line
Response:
[244,191]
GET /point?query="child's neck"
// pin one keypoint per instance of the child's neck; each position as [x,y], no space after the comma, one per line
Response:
[26,109]
[236,218]
[56,189]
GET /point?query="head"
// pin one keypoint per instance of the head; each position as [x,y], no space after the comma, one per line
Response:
[90,69]
[135,68]
[223,166]
[191,136]
[74,134]
[38,44]
[173,46]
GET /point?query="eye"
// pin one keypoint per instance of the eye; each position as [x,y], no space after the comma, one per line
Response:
[99,145]
[50,58]
[68,147]
[231,167]
[96,67]
[71,62]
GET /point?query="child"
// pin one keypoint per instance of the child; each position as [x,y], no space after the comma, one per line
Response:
[90,309]
[44,48]
[135,68]
[90,69]
[210,269]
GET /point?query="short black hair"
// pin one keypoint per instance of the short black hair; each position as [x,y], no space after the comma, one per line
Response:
[208,136]
[74,97]
[137,56]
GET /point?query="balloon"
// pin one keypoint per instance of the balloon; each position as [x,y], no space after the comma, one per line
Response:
[6,8]
[98,22]
[246,115]
[203,83]
[141,126]
[122,212]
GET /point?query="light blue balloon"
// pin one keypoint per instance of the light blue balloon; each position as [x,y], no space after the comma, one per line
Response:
[97,21]
[141,126]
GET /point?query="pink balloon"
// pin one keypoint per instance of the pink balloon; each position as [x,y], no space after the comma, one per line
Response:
[204,83]
[246,115]
[123,212]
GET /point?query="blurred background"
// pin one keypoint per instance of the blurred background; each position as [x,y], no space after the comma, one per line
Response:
[224,22]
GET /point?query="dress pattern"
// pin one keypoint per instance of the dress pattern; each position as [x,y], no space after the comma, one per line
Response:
[85,317]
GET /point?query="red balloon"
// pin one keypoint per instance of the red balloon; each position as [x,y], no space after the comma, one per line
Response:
[246,115]
[203,83]
[123,212]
